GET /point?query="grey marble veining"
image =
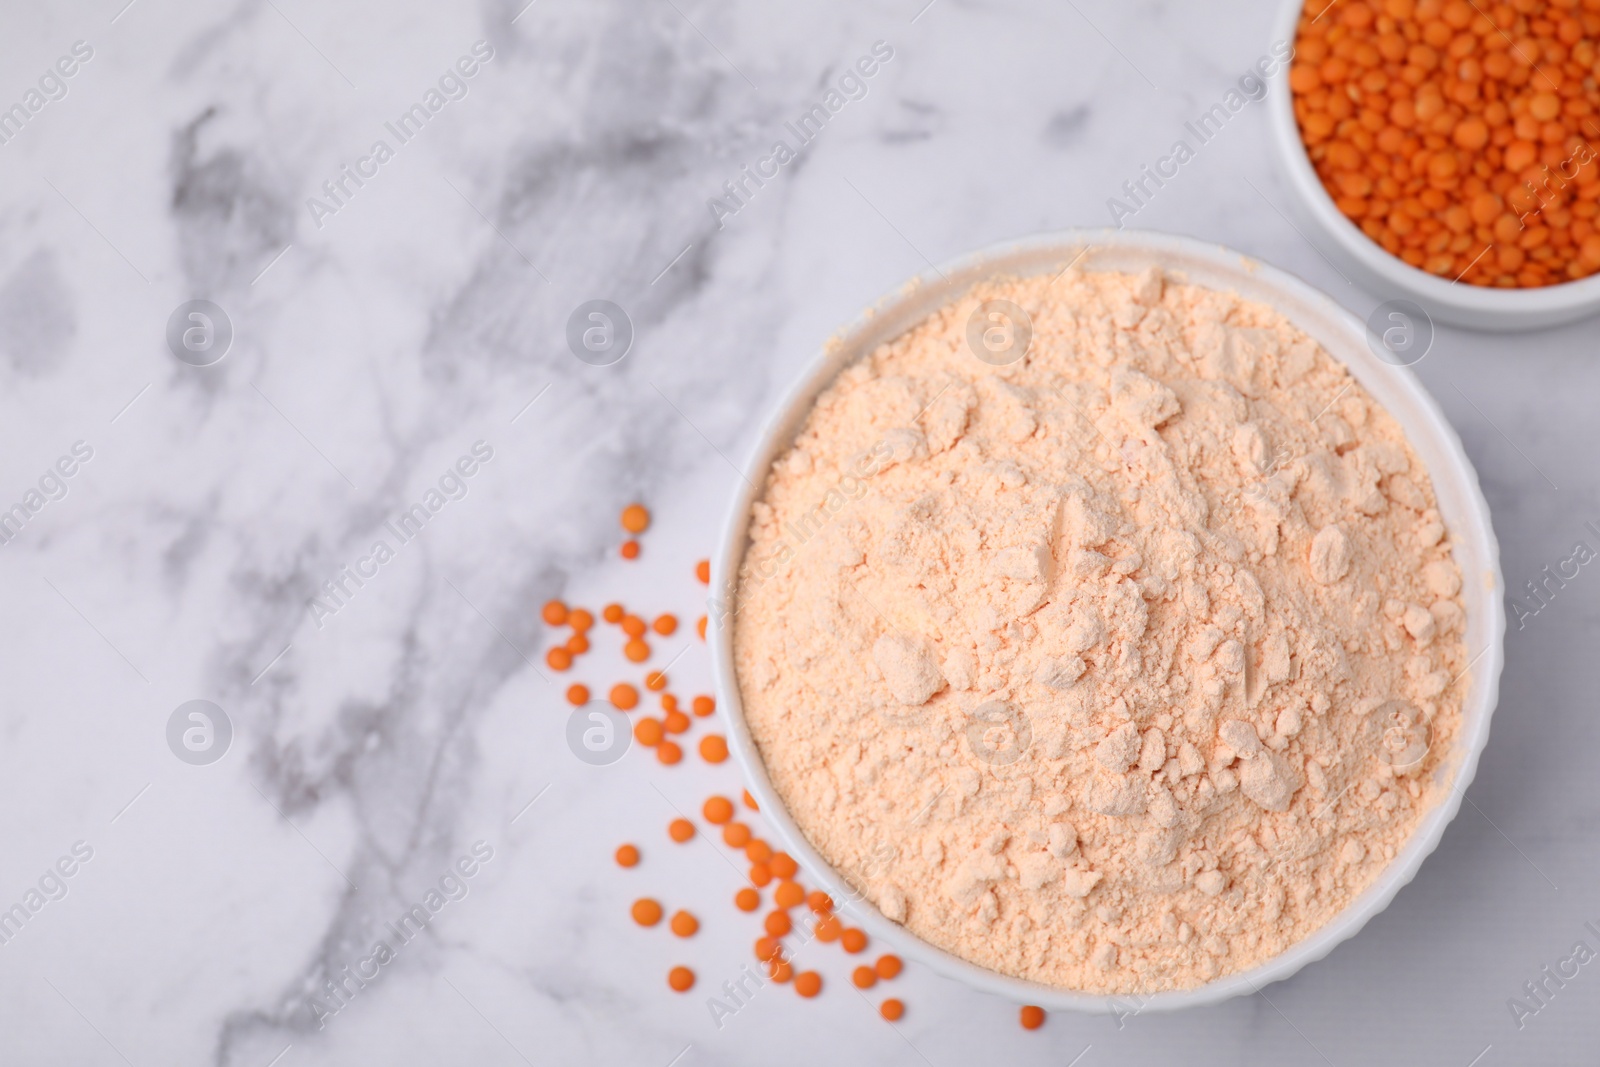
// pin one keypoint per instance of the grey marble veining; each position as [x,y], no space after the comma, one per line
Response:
[379,741]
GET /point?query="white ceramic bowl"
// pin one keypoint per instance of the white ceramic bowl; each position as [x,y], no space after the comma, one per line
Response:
[1387,276]
[1454,481]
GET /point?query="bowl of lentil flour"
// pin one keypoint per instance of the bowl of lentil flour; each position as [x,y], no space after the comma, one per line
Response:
[1109,622]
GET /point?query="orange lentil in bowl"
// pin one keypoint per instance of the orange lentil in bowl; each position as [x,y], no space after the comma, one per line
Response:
[1462,137]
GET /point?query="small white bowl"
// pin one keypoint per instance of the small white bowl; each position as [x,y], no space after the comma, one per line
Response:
[1389,277]
[1454,481]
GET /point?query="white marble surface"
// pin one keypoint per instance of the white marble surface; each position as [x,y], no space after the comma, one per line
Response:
[424,316]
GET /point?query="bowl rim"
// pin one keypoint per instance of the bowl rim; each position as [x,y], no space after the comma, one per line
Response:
[1524,306]
[912,302]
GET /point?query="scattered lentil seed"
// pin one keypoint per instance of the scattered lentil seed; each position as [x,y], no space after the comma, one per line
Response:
[635,518]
